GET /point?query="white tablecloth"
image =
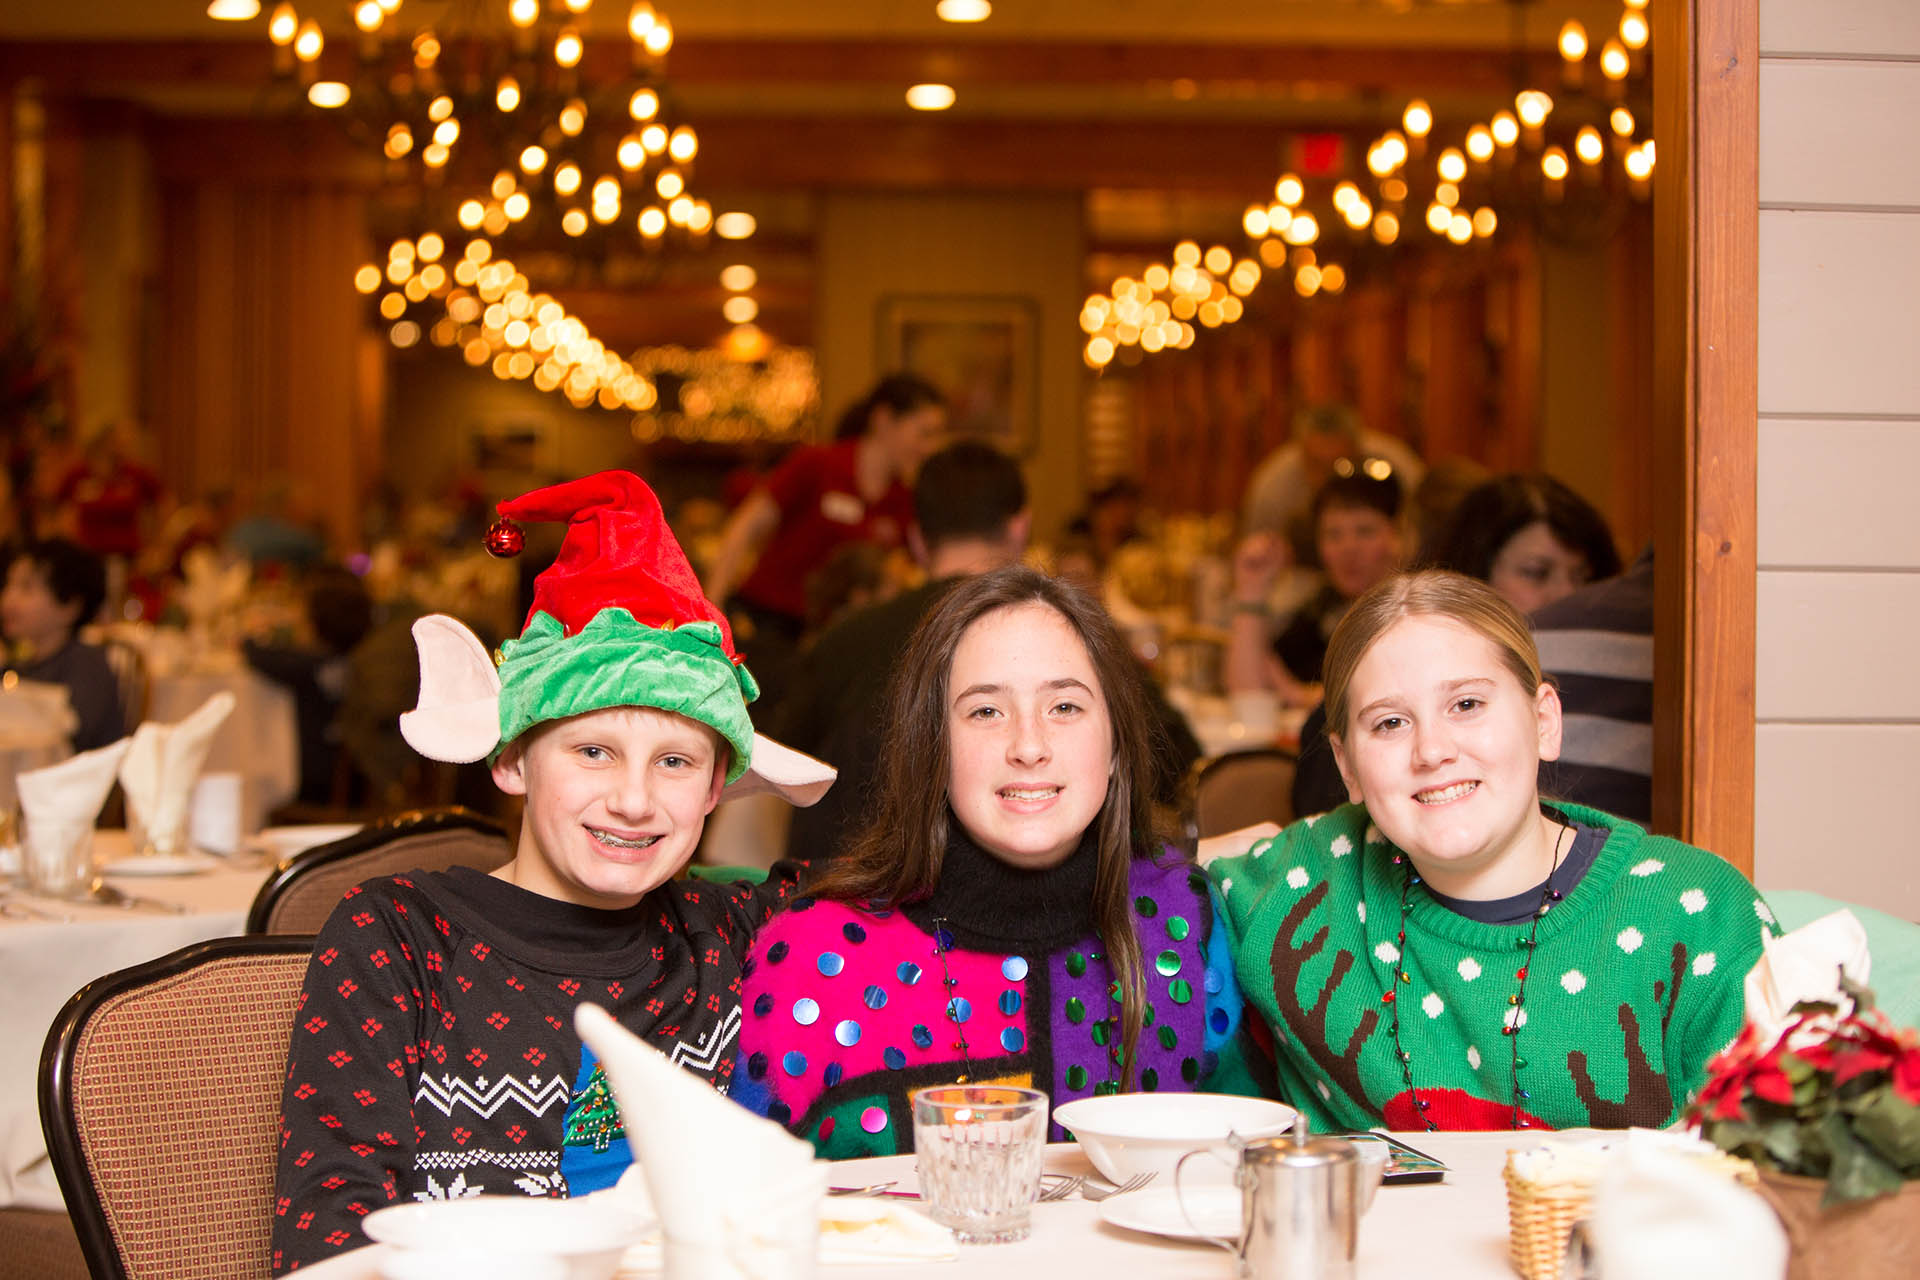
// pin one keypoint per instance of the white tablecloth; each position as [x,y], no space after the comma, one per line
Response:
[45,962]
[1452,1230]
[260,741]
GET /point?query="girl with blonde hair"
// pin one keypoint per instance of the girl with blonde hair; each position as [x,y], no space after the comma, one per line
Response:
[1449,951]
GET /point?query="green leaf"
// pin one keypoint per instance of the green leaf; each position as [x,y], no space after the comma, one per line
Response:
[1891,1126]
[1858,1173]
[1785,1145]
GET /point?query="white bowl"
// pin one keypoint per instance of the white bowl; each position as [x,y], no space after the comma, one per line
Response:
[1131,1133]
[284,842]
[585,1237]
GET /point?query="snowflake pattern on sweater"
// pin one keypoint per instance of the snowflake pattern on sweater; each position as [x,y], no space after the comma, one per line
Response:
[1635,981]
[433,1052]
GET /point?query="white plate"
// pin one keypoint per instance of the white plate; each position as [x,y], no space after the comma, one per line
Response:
[1214,1211]
[162,864]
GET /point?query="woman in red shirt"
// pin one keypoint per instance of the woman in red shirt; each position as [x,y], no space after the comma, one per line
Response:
[857,489]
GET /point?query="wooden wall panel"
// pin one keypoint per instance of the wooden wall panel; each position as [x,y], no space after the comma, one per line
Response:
[1808,841]
[1837,646]
[1838,494]
[1839,133]
[1871,28]
[1839,330]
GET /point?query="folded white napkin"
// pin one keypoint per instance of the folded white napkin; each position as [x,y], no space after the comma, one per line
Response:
[1659,1216]
[1806,965]
[162,763]
[74,789]
[853,1230]
[737,1196]
[33,709]
[1582,1162]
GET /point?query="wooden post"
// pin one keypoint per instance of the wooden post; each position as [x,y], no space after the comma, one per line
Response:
[1706,326]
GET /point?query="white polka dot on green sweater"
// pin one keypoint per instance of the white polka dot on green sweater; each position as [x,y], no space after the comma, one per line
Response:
[1434,1005]
[1297,878]
[1649,867]
[1694,901]
[1469,968]
[1388,953]
[1473,1057]
[1574,981]
[1703,964]
[1341,846]
[1630,939]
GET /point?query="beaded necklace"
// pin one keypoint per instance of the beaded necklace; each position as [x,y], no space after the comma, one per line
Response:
[943,943]
[1515,1016]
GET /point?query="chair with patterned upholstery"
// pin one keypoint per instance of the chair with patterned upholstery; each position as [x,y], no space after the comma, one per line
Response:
[160,1097]
[304,890]
[1225,793]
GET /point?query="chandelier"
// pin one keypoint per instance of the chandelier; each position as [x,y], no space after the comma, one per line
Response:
[505,131]
[1567,167]
[499,117]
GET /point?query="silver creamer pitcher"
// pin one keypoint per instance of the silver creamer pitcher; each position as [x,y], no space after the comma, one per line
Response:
[1299,1207]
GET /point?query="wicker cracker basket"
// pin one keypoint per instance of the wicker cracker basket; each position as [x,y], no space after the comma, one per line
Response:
[1541,1215]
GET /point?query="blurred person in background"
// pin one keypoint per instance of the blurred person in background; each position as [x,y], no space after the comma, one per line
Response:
[313,666]
[970,515]
[1597,646]
[1357,540]
[281,529]
[821,498]
[1447,482]
[53,588]
[1280,496]
[1529,537]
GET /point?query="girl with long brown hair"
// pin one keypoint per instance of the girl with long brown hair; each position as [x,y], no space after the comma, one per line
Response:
[1008,913]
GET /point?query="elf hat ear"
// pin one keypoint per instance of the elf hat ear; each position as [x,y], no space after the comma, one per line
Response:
[457,718]
[779,770]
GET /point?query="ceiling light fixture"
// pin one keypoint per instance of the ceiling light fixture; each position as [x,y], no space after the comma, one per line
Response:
[930,97]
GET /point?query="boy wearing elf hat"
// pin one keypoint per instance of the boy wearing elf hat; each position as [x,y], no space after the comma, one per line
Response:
[433,1054]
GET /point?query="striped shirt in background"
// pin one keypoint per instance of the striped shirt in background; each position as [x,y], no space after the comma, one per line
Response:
[1597,645]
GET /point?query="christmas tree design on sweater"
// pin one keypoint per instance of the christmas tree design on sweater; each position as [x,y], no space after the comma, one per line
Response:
[1634,982]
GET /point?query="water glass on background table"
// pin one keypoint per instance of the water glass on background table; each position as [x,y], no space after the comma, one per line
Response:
[977,1150]
[56,857]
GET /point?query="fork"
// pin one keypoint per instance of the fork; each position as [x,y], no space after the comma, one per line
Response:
[1061,1189]
[114,896]
[1137,1181]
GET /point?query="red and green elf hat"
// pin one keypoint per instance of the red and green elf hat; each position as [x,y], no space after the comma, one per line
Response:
[618,620]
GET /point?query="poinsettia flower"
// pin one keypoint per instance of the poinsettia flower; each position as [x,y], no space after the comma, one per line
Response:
[1906,1077]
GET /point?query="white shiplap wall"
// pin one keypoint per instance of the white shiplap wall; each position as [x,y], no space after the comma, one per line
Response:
[1838,650]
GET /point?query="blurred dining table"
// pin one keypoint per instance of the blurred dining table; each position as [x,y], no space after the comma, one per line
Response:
[50,949]
[1455,1229]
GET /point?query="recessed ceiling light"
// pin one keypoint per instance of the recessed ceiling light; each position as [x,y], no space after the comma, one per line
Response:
[963,10]
[328,93]
[930,97]
[233,10]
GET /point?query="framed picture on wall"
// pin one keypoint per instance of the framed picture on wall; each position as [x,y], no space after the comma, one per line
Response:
[516,446]
[979,350]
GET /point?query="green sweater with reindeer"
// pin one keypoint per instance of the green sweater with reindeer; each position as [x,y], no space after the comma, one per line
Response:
[1635,980]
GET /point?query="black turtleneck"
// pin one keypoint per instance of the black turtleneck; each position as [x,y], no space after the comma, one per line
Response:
[989,905]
